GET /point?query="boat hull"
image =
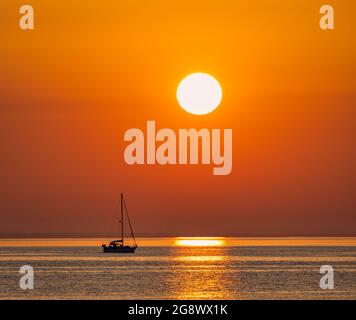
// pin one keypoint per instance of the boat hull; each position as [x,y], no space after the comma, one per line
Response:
[119,249]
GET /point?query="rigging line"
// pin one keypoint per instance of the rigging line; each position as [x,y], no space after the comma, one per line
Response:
[128,218]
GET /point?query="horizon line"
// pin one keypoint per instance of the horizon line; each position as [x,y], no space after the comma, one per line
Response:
[112,235]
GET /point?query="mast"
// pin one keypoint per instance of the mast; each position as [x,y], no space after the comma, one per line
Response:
[128,218]
[122,218]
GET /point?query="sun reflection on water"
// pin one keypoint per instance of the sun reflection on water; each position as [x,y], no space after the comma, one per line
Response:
[200,271]
[199,242]
[199,258]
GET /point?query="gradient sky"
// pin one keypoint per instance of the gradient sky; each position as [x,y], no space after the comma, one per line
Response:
[93,69]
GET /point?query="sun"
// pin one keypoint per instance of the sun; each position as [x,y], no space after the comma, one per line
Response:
[199,93]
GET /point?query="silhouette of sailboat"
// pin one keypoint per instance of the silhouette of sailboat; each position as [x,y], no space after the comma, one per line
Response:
[118,246]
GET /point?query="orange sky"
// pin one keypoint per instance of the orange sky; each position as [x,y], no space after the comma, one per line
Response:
[91,70]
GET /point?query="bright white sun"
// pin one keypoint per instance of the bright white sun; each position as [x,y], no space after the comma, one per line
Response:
[199,93]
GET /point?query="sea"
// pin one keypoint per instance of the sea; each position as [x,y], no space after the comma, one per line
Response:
[180,268]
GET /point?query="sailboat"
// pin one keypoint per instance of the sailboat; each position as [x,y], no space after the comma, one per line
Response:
[118,246]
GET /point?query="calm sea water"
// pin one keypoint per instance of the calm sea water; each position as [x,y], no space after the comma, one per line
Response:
[173,272]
